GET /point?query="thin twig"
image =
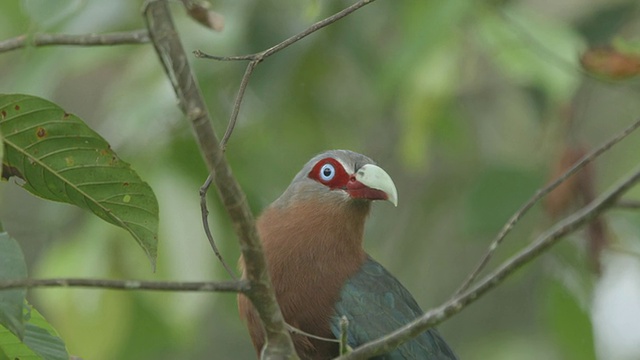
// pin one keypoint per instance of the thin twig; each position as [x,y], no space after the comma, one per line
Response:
[536,197]
[205,223]
[236,106]
[459,302]
[203,55]
[291,40]
[115,38]
[223,145]
[295,330]
[110,284]
[628,204]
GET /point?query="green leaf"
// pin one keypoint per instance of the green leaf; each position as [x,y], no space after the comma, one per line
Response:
[40,340]
[61,159]
[12,267]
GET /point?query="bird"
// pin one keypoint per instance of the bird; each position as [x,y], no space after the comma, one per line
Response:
[312,237]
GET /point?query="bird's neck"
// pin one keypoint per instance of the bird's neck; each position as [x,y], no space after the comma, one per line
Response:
[322,238]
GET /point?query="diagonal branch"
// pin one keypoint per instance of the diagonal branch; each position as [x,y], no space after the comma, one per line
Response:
[173,57]
[257,58]
[539,195]
[459,302]
[240,286]
[291,40]
[37,40]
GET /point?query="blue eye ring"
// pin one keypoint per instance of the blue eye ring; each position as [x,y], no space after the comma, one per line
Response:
[327,172]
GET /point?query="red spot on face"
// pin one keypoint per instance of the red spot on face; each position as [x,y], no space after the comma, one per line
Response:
[17,107]
[337,180]
[41,132]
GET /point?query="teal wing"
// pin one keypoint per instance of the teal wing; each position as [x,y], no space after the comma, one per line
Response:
[375,303]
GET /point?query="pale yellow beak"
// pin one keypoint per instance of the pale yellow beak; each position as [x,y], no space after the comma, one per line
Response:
[374,177]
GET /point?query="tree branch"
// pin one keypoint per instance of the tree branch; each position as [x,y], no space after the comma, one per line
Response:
[539,195]
[262,296]
[241,286]
[459,302]
[291,40]
[115,38]
[628,204]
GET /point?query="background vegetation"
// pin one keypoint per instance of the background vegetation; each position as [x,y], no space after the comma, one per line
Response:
[468,105]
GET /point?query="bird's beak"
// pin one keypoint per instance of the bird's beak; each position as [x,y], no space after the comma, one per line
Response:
[373,183]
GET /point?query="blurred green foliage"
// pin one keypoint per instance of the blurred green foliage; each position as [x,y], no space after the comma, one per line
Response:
[466,104]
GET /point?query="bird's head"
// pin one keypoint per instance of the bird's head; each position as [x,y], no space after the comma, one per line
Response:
[340,176]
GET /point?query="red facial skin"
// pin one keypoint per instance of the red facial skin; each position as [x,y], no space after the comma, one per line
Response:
[345,181]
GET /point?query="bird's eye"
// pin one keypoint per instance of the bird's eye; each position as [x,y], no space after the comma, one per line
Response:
[327,172]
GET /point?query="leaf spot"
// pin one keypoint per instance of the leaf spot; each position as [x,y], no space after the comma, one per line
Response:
[125,183]
[69,160]
[17,107]
[65,115]
[126,198]
[4,114]
[41,132]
